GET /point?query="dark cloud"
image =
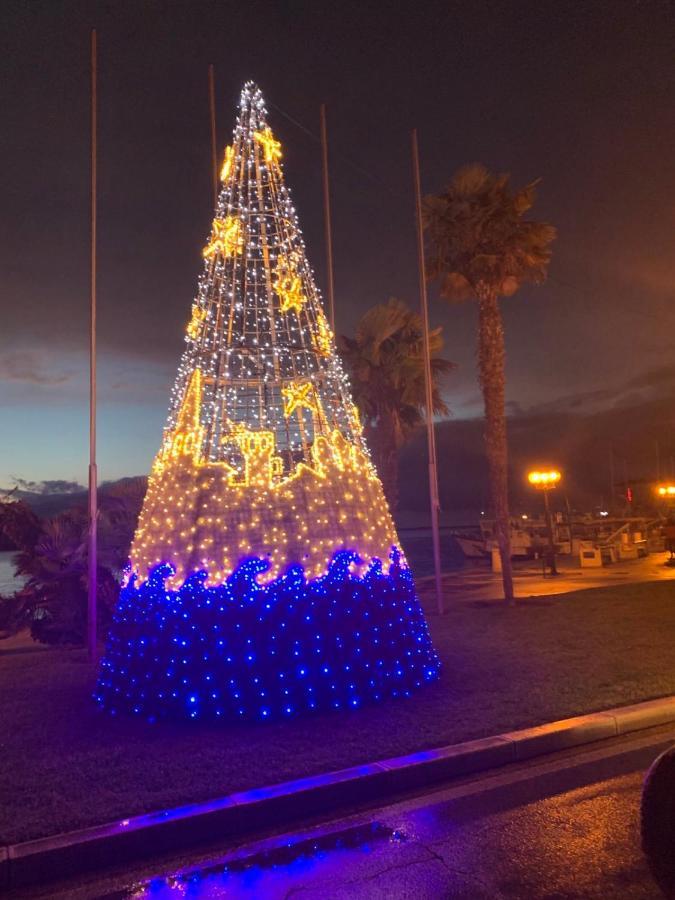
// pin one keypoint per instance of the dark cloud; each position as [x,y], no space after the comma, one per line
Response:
[631,444]
[652,385]
[50,486]
[28,366]
[513,408]
[659,376]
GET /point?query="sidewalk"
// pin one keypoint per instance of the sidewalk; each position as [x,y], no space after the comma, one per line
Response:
[478,582]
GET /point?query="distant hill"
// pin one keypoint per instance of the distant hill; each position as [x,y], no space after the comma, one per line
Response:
[46,505]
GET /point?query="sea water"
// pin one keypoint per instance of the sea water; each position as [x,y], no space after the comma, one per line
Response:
[9,583]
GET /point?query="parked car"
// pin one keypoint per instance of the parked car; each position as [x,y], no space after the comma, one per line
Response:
[658,821]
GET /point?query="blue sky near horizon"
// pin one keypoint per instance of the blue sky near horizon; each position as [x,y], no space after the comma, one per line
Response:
[45,408]
[46,435]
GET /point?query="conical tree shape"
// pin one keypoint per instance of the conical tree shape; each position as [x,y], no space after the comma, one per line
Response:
[264,524]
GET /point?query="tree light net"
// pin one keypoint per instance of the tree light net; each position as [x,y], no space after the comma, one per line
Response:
[263,475]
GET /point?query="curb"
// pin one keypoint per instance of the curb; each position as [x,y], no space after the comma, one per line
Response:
[245,812]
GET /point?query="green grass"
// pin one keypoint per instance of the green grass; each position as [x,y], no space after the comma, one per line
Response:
[63,765]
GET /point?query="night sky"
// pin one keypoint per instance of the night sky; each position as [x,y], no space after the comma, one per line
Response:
[579,94]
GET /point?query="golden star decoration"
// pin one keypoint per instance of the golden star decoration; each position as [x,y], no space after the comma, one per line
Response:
[299,396]
[228,162]
[288,285]
[226,238]
[271,146]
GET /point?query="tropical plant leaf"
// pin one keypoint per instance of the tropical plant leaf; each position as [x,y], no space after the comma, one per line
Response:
[477,235]
[386,364]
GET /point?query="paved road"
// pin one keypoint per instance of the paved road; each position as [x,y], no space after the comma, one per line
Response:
[559,829]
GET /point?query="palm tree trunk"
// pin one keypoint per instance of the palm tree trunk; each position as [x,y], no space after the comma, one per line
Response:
[382,441]
[491,357]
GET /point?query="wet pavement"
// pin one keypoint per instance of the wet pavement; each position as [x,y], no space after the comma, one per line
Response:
[559,829]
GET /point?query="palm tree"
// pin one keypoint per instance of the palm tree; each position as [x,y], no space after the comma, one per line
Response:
[482,247]
[52,558]
[386,365]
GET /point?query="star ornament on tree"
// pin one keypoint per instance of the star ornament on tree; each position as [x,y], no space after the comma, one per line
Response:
[226,238]
[299,396]
[288,285]
[271,146]
[291,293]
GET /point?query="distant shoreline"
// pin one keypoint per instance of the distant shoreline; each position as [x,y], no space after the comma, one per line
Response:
[9,583]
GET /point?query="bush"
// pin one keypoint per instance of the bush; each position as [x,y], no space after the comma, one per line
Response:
[52,557]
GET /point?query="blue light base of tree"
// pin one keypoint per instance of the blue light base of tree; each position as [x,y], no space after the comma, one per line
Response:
[242,651]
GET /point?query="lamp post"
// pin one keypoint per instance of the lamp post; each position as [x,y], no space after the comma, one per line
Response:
[666,493]
[545,481]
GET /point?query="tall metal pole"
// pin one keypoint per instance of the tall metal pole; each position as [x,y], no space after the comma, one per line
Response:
[551,539]
[428,384]
[658,460]
[93,477]
[214,148]
[612,499]
[326,219]
[626,493]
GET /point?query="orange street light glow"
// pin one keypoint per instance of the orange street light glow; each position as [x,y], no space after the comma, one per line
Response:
[666,490]
[544,480]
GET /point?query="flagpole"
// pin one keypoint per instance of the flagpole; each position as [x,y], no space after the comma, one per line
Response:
[431,437]
[93,477]
[214,148]
[327,220]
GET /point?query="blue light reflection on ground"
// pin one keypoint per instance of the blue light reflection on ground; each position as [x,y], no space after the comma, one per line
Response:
[267,873]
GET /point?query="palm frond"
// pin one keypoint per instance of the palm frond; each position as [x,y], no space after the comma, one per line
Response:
[478,236]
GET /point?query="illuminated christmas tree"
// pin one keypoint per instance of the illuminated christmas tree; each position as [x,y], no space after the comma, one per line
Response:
[265,576]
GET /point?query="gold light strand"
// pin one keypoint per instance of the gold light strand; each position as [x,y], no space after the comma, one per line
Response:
[228,163]
[355,417]
[261,466]
[186,438]
[198,316]
[321,337]
[206,514]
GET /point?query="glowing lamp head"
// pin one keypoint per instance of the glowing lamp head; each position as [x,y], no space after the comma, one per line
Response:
[666,490]
[544,480]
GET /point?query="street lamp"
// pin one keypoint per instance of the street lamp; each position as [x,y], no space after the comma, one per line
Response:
[545,481]
[666,492]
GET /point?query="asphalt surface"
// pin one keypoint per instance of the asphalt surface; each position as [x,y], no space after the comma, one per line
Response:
[562,828]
